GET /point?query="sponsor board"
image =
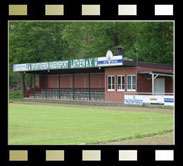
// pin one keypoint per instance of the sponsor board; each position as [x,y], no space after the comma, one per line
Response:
[110,60]
[21,67]
[151,99]
[133,101]
[169,100]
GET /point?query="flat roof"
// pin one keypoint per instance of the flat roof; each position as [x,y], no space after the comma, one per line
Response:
[147,64]
[67,71]
[86,65]
[155,72]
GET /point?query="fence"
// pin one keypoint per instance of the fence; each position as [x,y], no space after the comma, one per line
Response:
[70,93]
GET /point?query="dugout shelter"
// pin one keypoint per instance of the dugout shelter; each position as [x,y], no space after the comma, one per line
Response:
[109,78]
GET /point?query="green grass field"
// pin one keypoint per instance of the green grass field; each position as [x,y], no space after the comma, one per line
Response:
[55,125]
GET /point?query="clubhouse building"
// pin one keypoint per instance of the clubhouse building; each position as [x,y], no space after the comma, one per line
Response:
[110,79]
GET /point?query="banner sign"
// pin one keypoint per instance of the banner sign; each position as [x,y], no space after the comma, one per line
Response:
[69,64]
[109,60]
[21,67]
[104,61]
[169,100]
[151,99]
[133,100]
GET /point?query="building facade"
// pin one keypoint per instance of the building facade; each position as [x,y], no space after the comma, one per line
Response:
[107,79]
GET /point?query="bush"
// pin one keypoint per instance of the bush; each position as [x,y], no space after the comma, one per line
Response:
[16,95]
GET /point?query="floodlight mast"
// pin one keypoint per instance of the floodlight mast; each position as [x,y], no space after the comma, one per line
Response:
[136,51]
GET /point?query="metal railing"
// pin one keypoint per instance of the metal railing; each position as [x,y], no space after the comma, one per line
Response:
[150,93]
[71,93]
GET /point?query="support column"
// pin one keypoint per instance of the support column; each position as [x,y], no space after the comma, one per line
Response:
[89,86]
[152,84]
[73,85]
[154,76]
[59,84]
[23,84]
[46,85]
[34,86]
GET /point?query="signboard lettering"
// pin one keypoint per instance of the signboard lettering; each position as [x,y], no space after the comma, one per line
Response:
[109,60]
[21,67]
[140,99]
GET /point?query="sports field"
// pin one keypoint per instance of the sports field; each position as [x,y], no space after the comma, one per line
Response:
[56,125]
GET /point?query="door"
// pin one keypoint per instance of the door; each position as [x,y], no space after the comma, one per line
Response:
[159,85]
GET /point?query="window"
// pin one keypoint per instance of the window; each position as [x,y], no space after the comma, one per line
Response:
[110,81]
[131,83]
[121,83]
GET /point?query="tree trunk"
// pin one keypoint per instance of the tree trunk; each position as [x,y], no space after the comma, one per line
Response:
[23,84]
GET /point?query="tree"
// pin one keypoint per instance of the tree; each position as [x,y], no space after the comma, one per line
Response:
[31,42]
[155,42]
[35,42]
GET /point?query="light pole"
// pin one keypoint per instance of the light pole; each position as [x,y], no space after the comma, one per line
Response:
[136,51]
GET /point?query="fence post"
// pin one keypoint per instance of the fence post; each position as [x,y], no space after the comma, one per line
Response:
[34,86]
[89,86]
[46,85]
[73,87]
[59,84]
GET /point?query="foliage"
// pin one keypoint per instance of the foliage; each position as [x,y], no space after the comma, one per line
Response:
[15,95]
[50,41]
[156,42]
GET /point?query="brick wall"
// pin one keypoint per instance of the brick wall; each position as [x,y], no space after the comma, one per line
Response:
[145,84]
[66,81]
[118,96]
[42,82]
[81,81]
[53,81]
[169,85]
[99,80]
